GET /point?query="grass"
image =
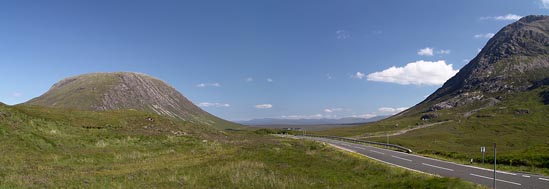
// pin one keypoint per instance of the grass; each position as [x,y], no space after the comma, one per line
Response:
[73,94]
[522,138]
[53,148]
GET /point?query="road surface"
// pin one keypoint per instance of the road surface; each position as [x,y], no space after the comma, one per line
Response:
[505,180]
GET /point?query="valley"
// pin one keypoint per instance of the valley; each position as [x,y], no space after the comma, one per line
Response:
[45,148]
[274,94]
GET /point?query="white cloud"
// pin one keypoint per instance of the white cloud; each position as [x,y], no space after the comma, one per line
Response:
[416,73]
[315,116]
[507,17]
[16,94]
[215,104]
[358,75]
[391,110]
[342,34]
[249,79]
[365,116]
[426,51]
[329,76]
[263,106]
[270,80]
[377,32]
[545,4]
[208,85]
[442,51]
[485,35]
[331,110]
[326,116]
[385,109]
[401,109]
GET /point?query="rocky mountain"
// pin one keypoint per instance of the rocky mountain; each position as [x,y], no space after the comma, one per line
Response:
[515,60]
[124,90]
[501,96]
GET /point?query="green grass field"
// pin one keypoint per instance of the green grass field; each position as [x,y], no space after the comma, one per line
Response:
[519,125]
[55,148]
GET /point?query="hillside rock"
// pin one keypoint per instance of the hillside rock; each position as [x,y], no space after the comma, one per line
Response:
[514,60]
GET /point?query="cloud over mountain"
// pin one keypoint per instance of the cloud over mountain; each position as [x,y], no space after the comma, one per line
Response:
[507,17]
[416,73]
[391,110]
[214,104]
[485,35]
[427,51]
[208,85]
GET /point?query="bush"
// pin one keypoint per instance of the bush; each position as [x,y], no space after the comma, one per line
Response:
[266,131]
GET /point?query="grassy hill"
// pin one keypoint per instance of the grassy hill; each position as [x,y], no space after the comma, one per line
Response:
[57,148]
[125,91]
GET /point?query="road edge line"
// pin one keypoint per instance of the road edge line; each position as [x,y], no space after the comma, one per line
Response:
[391,164]
[470,166]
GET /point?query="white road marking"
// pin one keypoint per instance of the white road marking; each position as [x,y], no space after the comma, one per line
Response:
[376,152]
[496,179]
[437,167]
[480,168]
[544,179]
[527,176]
[402,158]
[506,173]
[362,148]
[342,148]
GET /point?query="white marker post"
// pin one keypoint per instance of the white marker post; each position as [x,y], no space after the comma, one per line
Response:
[387,135]
[482,150]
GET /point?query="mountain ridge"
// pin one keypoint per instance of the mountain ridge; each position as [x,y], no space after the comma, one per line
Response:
[512,61]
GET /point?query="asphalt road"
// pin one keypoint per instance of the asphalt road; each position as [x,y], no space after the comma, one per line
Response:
[504,180]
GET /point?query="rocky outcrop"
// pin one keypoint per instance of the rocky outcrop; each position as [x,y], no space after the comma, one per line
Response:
[141,92]
[514,60]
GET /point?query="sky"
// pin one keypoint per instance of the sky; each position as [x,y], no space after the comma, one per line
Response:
[246,59]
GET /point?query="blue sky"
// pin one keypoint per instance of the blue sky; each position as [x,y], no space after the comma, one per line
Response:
[254,59]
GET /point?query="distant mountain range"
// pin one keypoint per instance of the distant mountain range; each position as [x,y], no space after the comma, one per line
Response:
[275,121]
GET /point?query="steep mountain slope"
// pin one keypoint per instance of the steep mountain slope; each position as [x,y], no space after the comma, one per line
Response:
[501,96]
[124,90]
[515,60]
